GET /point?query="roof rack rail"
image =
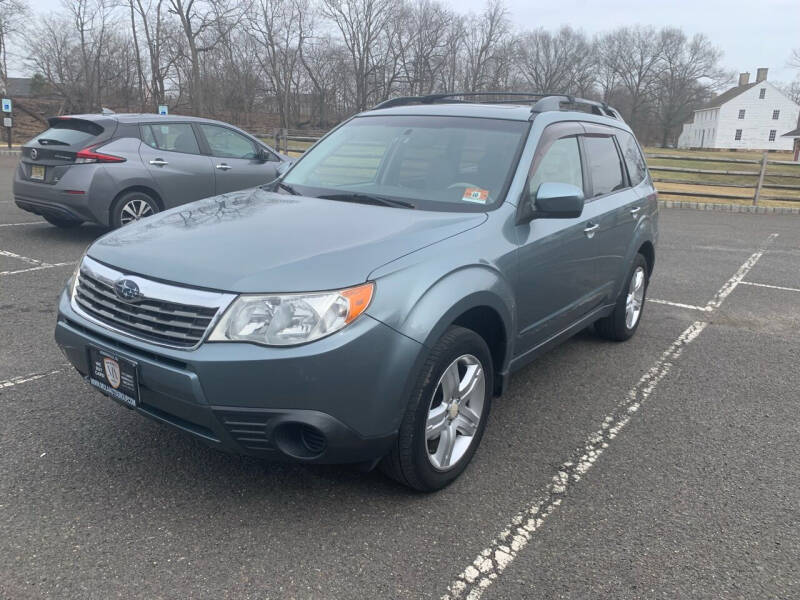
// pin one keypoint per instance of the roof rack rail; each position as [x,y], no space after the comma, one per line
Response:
[542,102]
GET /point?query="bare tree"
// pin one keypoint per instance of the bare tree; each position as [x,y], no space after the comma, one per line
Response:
[361,24]
[484,35]
[688,74]
[560,62]
[12,16]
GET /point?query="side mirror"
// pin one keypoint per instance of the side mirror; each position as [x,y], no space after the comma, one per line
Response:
[264,155]
[557,201]
[284,166]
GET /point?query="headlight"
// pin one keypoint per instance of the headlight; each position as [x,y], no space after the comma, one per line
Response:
[73,281]
[288,319]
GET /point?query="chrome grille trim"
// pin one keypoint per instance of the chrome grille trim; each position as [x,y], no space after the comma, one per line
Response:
[165,315]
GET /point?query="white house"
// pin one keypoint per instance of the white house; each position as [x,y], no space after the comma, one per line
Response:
[750,116]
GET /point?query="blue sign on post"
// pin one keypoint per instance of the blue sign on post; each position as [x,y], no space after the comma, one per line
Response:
[162,109]
[6,104]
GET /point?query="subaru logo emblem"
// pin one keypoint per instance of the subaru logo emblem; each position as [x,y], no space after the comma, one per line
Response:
[34,153]
[127,290]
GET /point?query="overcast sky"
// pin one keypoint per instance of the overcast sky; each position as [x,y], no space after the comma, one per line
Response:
[751,33]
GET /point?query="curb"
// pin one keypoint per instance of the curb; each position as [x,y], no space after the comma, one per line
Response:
[735,208]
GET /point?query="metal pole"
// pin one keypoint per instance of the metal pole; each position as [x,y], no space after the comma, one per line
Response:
[760,178]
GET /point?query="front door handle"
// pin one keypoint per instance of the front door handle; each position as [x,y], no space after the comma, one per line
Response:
[159,162]
[223,167]
[635,210]
[590,230]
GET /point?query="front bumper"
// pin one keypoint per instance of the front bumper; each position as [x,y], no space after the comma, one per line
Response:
[339,399]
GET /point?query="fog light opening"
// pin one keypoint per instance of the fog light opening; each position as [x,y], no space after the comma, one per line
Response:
[300,440]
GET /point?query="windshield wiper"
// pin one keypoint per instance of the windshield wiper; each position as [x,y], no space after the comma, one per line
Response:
[367,199]
[49,141]
[288,188]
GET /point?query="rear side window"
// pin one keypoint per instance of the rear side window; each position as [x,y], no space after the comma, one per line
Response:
[226,143]
[560,164]
[604,165]
[175,137]
[69,132]
[637,168]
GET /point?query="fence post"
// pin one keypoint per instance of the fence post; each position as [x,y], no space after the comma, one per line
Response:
[760,178]
[285,133]
[277,137]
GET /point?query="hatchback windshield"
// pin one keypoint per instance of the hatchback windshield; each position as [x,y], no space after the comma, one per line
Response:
[430,162]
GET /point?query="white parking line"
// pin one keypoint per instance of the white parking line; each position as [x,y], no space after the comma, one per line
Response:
[772,287]
[18,224]
[31,261]
[39,268]
[26,378]
[493,560]
[679,304]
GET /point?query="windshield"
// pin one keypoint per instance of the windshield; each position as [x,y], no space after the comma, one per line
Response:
[430,162]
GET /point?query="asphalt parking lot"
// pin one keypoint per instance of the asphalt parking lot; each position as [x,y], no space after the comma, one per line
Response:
[665,467]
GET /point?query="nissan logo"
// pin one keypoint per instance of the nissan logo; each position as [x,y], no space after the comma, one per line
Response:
[34,153]
[127,290]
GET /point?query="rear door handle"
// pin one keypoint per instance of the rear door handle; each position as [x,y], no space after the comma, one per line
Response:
[159,162]
[635,210]
[590,230]
[223,167]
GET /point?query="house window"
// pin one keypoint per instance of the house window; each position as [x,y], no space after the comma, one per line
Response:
[738,135]
[741,113]
[762,93]
[776,114]
[772,134]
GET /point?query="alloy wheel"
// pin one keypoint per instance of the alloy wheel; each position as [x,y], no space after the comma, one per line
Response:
[455,412]
[635,299]
[135,209]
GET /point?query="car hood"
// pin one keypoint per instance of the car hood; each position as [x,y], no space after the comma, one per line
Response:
[259,241]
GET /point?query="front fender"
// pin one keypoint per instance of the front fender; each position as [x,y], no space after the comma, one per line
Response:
[424,310]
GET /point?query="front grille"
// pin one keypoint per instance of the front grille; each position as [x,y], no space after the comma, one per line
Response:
[155,319]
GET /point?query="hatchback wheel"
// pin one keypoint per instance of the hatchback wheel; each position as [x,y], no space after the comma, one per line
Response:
[446,417]
[623,322]
[131,207]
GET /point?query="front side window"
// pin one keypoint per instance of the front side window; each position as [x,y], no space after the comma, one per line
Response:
[772,134]
[604,164]
[175,137]
[560,164]
[637,168]
[738,135]
[432,162]
[226,143]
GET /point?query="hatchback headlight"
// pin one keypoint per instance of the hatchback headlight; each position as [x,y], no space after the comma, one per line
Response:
[289,319]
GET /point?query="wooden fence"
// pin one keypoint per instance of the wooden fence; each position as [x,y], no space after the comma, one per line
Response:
[757,187]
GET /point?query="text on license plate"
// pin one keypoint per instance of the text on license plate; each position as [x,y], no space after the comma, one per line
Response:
[37,172]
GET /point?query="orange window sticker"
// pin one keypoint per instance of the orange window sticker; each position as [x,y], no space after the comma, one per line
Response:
[472,194]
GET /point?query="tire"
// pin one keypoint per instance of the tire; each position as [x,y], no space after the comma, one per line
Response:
[132,206]
[421,463]
[62,223]
[617,326]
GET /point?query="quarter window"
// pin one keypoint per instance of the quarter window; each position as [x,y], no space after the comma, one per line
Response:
[738,135]
[637,169]
[560,164]
[772,134]
[226,143]
[604,165]
[741,113]
[776,114]
[175,137]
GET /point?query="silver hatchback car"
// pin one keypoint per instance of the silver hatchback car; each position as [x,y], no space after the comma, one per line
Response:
[114,169]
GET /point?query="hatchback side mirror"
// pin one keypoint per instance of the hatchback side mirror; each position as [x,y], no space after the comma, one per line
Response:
[557,201]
